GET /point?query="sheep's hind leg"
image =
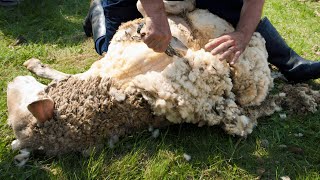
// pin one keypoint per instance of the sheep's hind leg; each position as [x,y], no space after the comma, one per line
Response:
[42,70]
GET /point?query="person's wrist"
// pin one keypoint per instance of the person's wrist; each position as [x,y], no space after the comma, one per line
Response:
[246,37]
[153,8]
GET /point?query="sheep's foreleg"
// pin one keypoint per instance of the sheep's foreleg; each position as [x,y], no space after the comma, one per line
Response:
[42,70]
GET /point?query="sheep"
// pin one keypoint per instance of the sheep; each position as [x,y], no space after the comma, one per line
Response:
[132,88]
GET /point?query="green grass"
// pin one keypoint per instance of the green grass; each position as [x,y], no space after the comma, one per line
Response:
[54,34]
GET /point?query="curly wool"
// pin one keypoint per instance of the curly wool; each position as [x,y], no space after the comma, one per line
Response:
[183,92]
[87,112]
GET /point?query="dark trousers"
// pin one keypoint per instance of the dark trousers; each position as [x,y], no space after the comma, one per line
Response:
[226,9]
[116,12]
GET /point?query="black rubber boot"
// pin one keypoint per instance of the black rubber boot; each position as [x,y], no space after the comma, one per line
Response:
[290,64]
[94,23]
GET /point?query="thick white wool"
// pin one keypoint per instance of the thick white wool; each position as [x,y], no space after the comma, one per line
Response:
[194,89]
[179,90]
[251,75]
[127,60]
[207,25]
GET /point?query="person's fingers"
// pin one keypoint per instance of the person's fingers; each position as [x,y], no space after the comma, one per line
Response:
[156,43]
[153,44]
[227,54]
[235,57]
[156,46]
[212,44]
[146,38]
[142,35]
[224,46]
[161,47]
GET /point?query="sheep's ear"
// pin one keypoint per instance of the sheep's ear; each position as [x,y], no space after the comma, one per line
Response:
[42,109]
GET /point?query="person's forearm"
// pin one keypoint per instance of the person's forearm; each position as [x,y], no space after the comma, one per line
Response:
[152,8]
[156,33]
[249,18]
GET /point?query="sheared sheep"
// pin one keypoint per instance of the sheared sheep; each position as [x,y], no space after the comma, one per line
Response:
[133,87]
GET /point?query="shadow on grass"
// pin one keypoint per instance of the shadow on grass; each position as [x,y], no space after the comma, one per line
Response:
[48,22]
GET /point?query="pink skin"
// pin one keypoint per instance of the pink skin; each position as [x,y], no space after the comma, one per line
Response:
[42,109]
[230,46]
[156,33]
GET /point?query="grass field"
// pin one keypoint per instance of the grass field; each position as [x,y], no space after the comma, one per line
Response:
[54,34]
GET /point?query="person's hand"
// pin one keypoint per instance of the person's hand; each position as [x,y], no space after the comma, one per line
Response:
[156,34]
[229,47]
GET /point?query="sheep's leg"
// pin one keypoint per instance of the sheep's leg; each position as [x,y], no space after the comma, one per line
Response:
[42,70]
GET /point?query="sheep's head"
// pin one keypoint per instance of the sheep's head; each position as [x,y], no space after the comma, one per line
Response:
[27,106]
